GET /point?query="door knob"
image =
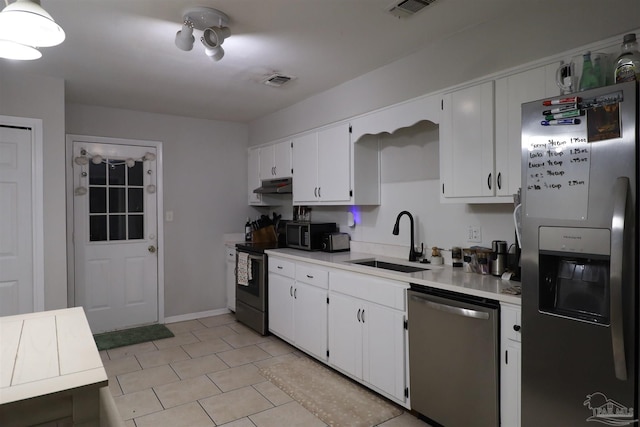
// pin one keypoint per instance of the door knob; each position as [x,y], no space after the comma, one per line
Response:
[152,249]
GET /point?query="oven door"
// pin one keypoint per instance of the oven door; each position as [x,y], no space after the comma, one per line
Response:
[254,294]
[251,300]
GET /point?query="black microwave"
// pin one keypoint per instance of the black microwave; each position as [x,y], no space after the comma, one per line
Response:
[308,235]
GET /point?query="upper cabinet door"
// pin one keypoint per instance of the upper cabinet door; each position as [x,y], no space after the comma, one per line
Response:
[467,142]
[334,164]
[511,92]
[254,176]
[282,159]
[305,168]
[266,162]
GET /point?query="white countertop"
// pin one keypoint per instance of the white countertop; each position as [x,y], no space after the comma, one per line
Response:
[437,276]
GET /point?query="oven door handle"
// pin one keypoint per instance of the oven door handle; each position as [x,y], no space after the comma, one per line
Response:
[255,257]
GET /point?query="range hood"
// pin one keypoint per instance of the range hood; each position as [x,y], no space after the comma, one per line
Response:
[275,186]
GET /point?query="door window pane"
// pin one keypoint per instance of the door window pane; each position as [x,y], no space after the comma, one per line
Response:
[97,174]
[136,227]
[118,192]
[97,200]
[98,228]
[136,175]
[116,172]
[136,199]
[117,202]
[117,227]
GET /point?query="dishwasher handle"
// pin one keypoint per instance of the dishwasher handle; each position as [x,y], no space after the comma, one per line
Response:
[460,311]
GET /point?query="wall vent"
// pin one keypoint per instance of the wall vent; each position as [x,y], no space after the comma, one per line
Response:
[406,8]
[277,80]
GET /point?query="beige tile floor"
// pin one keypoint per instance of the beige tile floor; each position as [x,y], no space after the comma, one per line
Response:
[208,375]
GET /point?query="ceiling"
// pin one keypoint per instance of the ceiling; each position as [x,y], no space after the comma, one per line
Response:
[121,53]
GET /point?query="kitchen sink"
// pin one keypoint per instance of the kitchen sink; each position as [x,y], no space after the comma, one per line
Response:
[388,265]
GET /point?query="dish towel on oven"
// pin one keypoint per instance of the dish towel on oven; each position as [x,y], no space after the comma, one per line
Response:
[244,269]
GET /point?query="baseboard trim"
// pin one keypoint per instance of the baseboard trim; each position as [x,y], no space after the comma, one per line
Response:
[192,316]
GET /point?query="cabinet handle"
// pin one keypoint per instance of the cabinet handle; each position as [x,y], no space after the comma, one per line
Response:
[309,276]
[295,293]
[279,267]
[273,170]
[362,316]
[315,191]
[358,315]
[499,180]
[517,328]
[489,180]
[291,290]
[319,195]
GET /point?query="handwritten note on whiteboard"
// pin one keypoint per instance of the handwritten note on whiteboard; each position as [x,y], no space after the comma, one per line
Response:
[558,176]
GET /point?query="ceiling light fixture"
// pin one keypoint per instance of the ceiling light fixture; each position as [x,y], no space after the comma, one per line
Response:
[25,25]
[212,22]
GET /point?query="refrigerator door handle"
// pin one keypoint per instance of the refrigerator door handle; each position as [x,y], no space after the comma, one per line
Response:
[620,191]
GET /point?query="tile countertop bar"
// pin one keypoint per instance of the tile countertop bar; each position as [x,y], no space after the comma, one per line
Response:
[437,276]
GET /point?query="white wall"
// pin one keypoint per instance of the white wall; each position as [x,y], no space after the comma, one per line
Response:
[205,185]
[26,95]
[469,54]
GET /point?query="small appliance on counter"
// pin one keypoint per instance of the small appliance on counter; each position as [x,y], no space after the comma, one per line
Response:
[308,236]
[498,257]
[335,242]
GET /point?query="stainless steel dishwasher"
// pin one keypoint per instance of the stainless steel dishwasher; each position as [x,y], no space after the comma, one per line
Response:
[453,357]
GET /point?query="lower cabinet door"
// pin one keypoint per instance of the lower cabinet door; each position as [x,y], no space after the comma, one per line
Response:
[510,385]
[384,349]
[281,306]
[310,312]
[345,334]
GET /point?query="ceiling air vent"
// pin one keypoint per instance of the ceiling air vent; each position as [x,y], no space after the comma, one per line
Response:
[277,80]
[406,8]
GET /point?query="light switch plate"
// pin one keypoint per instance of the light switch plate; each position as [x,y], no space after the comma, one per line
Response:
[474,234]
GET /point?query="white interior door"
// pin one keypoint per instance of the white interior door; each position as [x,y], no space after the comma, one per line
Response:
[16,234]
[115,234]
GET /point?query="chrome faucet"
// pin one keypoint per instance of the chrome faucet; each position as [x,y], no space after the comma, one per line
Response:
[413,254]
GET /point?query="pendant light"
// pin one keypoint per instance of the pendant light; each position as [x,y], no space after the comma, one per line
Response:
[13,50]
[26,23]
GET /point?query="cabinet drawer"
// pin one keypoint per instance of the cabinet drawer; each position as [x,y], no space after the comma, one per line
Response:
[389,293]
[282,267]
[312,275]
[510,322]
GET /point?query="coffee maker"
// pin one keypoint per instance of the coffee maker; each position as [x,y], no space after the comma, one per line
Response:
[498,257]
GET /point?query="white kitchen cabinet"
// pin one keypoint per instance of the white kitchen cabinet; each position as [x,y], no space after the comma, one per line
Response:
[253,176]
[298,305]
[330,169]
[467,142]
[321,171]
[398,116]
[511,92]
[231,277]
[510,365]
[281,284]
[367,335]
[275,160]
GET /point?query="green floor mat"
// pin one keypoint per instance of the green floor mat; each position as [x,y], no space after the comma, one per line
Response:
[131,336]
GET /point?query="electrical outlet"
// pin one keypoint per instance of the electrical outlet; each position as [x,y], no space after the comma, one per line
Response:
[474,234]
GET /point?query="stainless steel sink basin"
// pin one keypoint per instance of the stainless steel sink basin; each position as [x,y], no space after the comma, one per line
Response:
[388,265]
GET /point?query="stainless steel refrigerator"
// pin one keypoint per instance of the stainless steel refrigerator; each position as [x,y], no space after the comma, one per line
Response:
[580,259]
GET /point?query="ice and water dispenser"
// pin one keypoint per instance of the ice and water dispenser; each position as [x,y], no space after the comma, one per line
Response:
[574,271]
